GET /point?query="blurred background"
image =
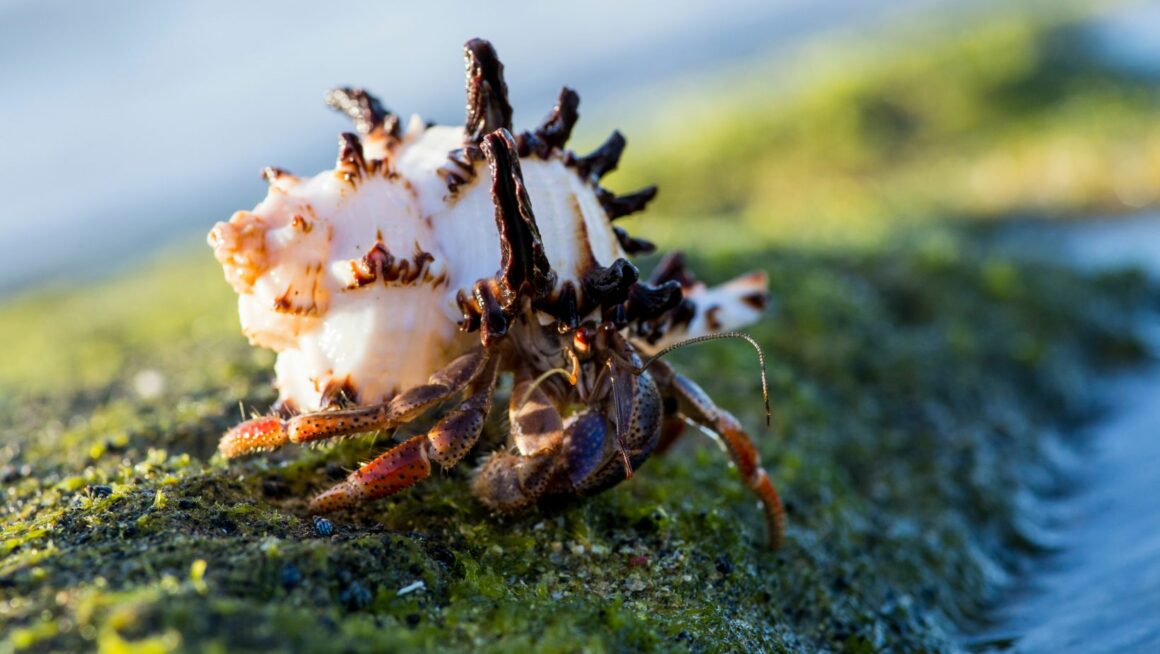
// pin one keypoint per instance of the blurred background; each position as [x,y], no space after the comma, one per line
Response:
[131,126]
[806,137]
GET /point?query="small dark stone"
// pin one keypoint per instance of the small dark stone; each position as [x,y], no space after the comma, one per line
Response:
[724,565]
[186,504]
[100,490]
[323,526]
[334,471]
[291,576]
[684,636]
[413,620]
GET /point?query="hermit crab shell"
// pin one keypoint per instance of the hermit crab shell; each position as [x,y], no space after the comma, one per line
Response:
[355,276]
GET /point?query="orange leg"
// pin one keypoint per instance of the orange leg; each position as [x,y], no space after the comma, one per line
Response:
[695,404]
[395,470]
[270,432]
[410,462]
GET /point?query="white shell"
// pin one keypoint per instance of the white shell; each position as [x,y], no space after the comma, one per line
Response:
[293,262]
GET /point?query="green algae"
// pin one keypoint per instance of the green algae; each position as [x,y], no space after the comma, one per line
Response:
[914,388]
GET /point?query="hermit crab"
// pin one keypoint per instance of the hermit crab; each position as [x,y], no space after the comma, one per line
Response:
[433,260]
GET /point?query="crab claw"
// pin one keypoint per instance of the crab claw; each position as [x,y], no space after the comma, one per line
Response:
[254,436]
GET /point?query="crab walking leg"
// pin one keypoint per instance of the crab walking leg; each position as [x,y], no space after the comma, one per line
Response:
[509,482]
[535,421]
[404,465]
[695,404]
[270,432]
[581,460]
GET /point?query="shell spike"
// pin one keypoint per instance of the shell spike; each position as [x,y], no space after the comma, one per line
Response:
[603,159]
[554,132]
[275,176]
[619,206]
[351,163]
[524,266]
[487,97]
[364,110]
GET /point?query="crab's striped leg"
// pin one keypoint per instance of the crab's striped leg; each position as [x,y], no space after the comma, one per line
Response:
[695,405]
[410,462]
[270,432]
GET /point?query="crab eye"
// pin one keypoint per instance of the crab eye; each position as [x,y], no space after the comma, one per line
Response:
[580,341]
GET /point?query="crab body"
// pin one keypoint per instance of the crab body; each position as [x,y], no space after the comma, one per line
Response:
[433,259]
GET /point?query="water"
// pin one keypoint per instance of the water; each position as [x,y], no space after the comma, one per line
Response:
[1101,592]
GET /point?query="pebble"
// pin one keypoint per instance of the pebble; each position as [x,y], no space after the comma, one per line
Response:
[323,526]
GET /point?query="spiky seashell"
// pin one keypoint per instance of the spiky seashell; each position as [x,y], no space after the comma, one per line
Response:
[357,276]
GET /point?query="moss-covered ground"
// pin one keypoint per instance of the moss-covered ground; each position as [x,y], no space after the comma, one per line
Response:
[915,392]
[923,386]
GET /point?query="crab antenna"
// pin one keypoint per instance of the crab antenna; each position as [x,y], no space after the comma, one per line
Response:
[715,337]
[542,378]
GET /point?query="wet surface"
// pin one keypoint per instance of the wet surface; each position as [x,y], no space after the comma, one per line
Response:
[1101,591]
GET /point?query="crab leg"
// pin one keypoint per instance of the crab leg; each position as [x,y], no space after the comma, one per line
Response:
[694,404]
[270,432]
[509,482]
[535,422]
[410,462]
